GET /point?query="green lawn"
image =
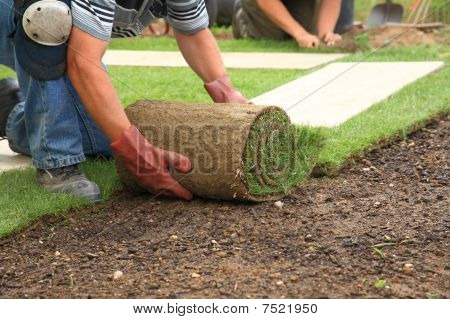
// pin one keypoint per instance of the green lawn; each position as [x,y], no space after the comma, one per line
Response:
[22,201]
[183,85]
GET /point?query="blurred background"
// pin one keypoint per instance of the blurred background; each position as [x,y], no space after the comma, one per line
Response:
[439,10]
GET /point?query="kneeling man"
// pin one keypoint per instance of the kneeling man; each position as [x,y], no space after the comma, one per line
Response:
[64,106]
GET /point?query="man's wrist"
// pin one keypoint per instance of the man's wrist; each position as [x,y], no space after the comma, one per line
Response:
[299,34]
[323,33]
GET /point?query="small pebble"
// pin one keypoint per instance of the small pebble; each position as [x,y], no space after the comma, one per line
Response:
[279,283]
[153,286]
[208,225]
[132,250]
[117,275]
[279,204]
[293,278]
[174,237]
[366,169]
[91,256]
[222,254]
[391,185]
[195,275]
[408,268]
[377,204]
[57,253]
[213,242]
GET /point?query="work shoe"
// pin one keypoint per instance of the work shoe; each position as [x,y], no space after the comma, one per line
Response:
[10,96]
[68,180]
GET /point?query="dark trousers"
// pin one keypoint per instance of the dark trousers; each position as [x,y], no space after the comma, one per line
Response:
[220,11]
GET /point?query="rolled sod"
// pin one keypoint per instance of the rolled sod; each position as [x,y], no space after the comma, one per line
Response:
[238,152]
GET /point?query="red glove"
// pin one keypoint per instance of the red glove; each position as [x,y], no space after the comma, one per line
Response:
[150,165]
[222,91]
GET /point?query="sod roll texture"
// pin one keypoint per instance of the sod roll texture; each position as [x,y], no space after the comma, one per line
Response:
[238,152]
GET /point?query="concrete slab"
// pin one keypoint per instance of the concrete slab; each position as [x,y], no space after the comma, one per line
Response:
[241,60]
[10,160]
[337,92]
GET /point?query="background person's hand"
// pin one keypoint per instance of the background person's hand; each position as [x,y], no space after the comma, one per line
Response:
[151,165]
[331,38]
[307,40]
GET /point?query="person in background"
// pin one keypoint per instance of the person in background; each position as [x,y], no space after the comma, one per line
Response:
[306,21]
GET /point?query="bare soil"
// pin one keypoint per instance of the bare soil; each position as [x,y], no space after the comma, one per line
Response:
[405,37]
[320,244]
[392,37]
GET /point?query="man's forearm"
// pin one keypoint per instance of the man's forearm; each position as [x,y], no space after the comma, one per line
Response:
[328,15]
[279,14]
[100,98]
[93,84]
[202,54]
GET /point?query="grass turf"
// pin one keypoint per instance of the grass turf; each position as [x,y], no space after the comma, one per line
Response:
[22,201]
[278,154]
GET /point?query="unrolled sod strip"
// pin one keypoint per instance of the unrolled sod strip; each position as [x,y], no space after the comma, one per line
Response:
[238,152]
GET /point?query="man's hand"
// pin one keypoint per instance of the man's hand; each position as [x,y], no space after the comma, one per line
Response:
[306,40]
[222,91]
[202,53]
[331,38]
[150,165]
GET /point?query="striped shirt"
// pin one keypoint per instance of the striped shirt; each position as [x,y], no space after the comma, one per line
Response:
[104,19]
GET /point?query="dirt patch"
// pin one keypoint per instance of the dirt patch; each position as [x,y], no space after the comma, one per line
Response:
[400,37]
[320,244]
[391,36]
[349,40]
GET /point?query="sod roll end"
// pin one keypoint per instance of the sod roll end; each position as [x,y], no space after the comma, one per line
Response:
[238,152]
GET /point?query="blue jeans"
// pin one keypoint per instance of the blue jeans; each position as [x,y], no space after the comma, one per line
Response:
[52,125]
[346,16]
